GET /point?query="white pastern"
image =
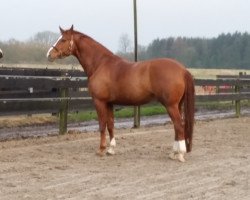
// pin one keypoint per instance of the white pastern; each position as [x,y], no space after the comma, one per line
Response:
[179,149]
[179,146]
[111,150]
[113,142]
[175,146]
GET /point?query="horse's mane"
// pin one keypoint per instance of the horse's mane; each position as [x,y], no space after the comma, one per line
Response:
[98,45]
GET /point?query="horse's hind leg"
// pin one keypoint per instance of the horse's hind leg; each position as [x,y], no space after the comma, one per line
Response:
[179,147]
[110,125]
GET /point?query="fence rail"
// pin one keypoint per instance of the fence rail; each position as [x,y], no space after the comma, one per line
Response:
[28,91]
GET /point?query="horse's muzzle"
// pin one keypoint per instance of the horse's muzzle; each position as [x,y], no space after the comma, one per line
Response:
[50,59]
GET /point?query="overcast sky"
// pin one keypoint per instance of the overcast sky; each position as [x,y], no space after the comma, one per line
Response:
[107,20]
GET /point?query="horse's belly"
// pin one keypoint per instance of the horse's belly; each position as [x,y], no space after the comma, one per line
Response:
[133,99]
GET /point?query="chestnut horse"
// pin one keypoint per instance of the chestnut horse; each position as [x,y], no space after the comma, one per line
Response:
[1,53]
[115,81]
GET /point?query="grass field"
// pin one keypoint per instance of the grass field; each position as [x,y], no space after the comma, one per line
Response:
[211,73]
[123,112]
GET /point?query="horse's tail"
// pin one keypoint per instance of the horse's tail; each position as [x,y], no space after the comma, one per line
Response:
[189,100]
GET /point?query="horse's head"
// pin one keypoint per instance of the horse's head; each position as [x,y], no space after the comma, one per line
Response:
[1,53]
[63,46]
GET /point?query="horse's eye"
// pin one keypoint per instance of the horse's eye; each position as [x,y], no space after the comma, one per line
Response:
[63,40]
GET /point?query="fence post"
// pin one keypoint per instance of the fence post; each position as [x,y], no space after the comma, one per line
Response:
[237,102]
[63,115]
[136,108]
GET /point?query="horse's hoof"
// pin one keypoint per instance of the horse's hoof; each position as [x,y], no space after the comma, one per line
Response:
[100,153]
[181,157]
[172,156]
[177,156]
[111,152]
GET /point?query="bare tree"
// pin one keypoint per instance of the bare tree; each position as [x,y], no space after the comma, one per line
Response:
[125,44]
[45,38]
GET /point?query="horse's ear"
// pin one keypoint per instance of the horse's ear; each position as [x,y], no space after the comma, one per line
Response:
[71,28]
[62,31]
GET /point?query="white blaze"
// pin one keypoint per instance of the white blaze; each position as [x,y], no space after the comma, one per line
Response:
[48,53]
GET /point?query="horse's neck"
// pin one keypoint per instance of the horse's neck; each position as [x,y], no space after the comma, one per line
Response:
[91,54]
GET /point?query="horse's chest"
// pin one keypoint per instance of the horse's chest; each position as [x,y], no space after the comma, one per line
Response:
[99,90]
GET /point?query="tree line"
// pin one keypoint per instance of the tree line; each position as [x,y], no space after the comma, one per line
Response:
[225,51]
[32,51]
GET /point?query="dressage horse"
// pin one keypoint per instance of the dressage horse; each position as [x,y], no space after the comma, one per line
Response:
[115,81]
[1,53]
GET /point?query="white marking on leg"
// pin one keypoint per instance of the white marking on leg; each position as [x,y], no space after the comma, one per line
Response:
[175,146]
[113,142]
[179,149]
[179,146]
[112,146]
[182,146]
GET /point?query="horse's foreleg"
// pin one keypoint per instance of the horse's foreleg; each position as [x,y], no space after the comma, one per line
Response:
[110,125]
[179,147]
[102,112]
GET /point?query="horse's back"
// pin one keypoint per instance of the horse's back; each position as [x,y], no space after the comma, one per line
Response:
[165,70]
[166,65]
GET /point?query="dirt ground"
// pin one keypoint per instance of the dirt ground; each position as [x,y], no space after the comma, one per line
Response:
[66,167]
